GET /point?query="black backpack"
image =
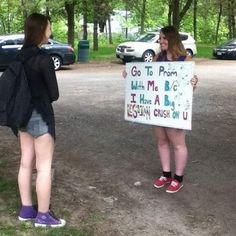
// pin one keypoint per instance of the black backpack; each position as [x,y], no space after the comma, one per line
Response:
[15,96]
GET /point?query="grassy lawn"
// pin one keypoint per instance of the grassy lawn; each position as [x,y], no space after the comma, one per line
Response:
[26,229]
[107,53]
[204,51]
[104,53]
[9,207]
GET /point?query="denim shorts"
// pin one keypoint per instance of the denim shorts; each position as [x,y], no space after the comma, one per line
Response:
[36,125]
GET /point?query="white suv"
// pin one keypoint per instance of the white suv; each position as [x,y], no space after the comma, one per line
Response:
[147,46]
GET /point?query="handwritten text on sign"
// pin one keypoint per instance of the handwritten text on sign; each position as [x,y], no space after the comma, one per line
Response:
[159,93]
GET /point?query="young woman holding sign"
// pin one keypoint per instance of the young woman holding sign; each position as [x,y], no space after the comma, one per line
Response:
[172,49]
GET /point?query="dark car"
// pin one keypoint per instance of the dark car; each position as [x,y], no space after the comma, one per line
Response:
[62,54]
[226,50]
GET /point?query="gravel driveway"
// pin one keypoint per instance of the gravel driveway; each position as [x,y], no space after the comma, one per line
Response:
[105,166]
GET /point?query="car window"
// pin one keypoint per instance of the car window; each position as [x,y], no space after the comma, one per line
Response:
[232,43]
[183,37]
[46,45]
[19,41]
[146,38]
[9,42]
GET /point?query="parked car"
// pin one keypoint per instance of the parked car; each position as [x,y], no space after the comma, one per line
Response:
[147,46]
[62,54]
[226,50]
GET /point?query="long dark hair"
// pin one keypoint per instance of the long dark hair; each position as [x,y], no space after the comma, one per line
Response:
[175,45]
[35,27]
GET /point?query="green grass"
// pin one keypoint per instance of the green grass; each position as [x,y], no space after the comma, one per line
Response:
[204,50]
[104,53]
[107,53]
[9,207]
[26,229]
[10,196]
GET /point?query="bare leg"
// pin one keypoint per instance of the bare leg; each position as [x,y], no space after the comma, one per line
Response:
[177,138]
[163,147]
[26,166]
[44,148]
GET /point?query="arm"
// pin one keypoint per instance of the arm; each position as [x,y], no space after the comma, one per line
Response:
[49,77]
[188,58]
[124,74]
[155,57]
[194,80]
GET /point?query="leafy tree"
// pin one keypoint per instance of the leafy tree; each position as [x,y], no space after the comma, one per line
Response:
[70,10]
[218,20]
[208,20]
[85,19]
[231,18]
[10,17]
[195,19]
[176,14]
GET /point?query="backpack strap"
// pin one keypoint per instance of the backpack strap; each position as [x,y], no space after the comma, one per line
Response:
[23,58]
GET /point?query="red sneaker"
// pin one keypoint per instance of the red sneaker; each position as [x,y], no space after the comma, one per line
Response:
[174,187]
[162,181]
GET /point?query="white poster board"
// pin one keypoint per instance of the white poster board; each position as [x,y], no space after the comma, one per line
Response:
[159,93]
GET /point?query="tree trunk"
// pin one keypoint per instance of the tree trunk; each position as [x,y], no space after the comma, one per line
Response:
[95,26]
[24,11]
[8,19]
[3,25]
[47,9]
[126,18]
[195,20]
[85,20]
[102,25]
[218,21]
[229,20]
[185,9]
[232,17]
[170,11]
[70,8]
[143,16]
[109,30]
[175,14]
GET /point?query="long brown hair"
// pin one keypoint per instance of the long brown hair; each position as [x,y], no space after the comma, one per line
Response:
[175,45]
[35,27]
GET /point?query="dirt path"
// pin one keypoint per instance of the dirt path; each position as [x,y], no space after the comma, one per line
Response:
[99,158]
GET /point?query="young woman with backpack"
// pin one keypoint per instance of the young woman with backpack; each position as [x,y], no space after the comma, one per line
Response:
[38,136]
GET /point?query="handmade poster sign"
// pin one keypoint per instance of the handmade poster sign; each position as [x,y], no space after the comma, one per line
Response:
[159,93]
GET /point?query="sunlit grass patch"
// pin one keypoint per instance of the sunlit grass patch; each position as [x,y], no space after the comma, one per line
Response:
[204,50]
[27,229]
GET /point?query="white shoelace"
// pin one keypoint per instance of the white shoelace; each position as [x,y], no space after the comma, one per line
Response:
[162,178]
[174,183]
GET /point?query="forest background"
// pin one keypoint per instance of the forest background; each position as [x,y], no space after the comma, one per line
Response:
[209,21]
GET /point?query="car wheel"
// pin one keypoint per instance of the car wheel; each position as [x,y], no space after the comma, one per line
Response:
[57,62]
[148,56]
[189,52]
